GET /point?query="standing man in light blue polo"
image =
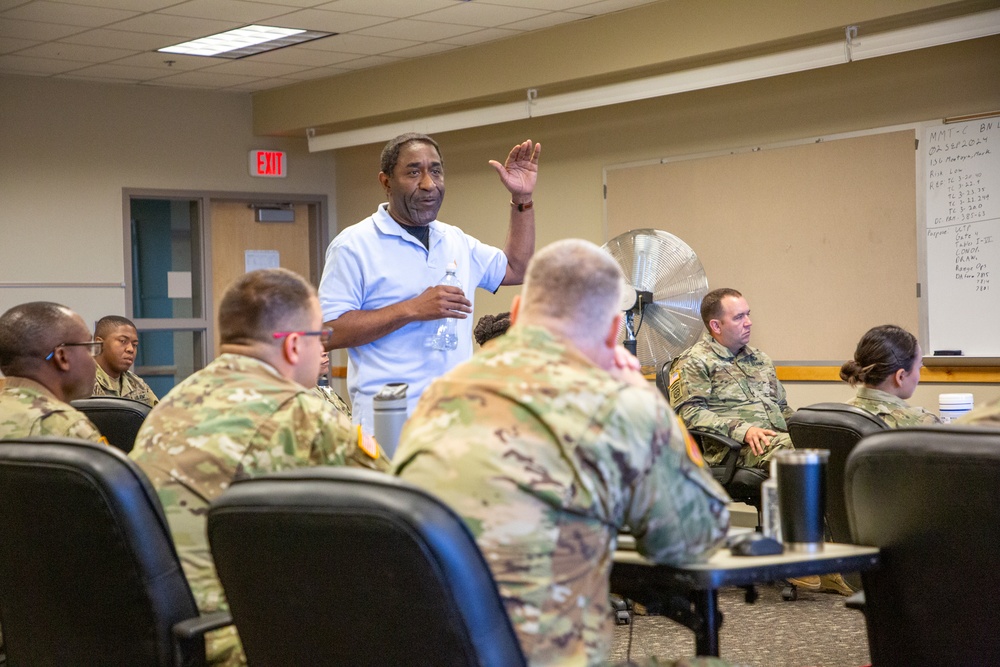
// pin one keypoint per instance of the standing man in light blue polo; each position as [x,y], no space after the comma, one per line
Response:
[380,291]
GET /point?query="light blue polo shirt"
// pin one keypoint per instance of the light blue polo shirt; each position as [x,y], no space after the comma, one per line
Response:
[374,264]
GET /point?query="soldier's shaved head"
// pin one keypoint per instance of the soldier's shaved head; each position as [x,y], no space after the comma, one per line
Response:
[29,331]
[574,283]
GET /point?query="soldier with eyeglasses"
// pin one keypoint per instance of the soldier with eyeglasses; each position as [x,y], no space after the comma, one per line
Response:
[47,358]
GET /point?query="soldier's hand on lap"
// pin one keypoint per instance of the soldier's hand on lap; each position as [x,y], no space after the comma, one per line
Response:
[758,439]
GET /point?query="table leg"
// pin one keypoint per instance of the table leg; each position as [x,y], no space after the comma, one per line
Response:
[706,640]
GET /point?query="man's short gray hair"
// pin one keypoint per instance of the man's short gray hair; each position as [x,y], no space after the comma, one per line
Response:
[575,282]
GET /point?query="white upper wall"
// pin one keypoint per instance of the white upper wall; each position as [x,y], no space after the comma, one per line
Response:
[68,149]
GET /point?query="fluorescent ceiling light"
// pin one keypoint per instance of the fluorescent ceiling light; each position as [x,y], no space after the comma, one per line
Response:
[947,31]
[246,41]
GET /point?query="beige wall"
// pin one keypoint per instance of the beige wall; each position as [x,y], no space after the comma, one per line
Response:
[69,148]
[906,88]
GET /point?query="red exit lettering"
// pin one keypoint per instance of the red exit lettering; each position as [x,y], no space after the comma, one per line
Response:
[267,163]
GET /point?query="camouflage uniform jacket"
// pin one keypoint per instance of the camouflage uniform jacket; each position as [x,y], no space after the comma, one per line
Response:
[334,399]
[714,390]
[235,418]
[28,408]
[894,411]
[547,457]
[129,385]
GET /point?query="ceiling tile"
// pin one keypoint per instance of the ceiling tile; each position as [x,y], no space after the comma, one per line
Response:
[369,61]
[393,8]
[137,41]
[10,4]
[186,26]
[58,12]
[608,6]
[546,21]
[227,10]
[415,29]
[317,19]
[156,60]
[77,52]
[486,16]
[317,73]
[360,44]
[21,64]
[422,50]
[205,79]
[307,57]
[119,72]
[43,32]
[10,44]
[481,36]
[547,5]
[260,84]
[132,5]
[251,67]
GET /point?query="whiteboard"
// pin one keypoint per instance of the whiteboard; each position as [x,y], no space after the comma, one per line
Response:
[962,236]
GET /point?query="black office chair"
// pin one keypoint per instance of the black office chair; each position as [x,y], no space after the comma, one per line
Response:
[88,571]
[344,566]
[837,428]
[927,497]
[118,419]
[740,482]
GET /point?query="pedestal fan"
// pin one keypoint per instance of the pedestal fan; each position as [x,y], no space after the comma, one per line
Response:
[662,306]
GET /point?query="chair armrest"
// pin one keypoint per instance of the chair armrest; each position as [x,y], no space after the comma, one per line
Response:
[189,637]
[732,457]
[856,601]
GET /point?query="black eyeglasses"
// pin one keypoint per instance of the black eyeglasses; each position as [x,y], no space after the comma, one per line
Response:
[325,334]
[95,347]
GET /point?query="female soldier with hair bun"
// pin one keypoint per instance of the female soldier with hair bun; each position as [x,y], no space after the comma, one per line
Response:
[886,370]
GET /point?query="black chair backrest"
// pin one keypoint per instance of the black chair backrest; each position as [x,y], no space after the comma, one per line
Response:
[88,571]
[838,428]
[354,567]
[927,497]
[118,419]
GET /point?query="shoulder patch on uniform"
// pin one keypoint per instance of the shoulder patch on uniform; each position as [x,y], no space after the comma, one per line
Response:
[693,450]
[675,388]
[367,443]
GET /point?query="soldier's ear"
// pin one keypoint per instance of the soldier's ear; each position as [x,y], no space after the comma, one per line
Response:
[611,338]
[715,326]
[290,348]
[899,375]
[515,309]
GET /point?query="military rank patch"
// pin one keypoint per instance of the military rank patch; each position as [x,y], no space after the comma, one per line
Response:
[367,443]
[693,450]
[675,388]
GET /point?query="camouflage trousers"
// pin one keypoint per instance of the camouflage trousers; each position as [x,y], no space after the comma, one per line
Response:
[683,662]
[223,648]
[778,442]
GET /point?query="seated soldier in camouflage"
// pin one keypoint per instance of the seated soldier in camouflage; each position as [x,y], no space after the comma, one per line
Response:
[47,356]
[121,343]
[249,412]
[722,385]
[548,443]
[886,365]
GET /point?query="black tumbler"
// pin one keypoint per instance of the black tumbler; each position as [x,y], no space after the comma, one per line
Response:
[802,497]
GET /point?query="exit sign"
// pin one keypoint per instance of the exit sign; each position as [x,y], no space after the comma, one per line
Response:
[268,164]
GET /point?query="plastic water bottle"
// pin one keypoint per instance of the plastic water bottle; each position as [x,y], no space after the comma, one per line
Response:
[445,337]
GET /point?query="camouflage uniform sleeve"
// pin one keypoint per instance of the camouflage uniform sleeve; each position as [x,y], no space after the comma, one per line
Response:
[690,388]
[786,411]
[74,425]
[677,512]
[338,442]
